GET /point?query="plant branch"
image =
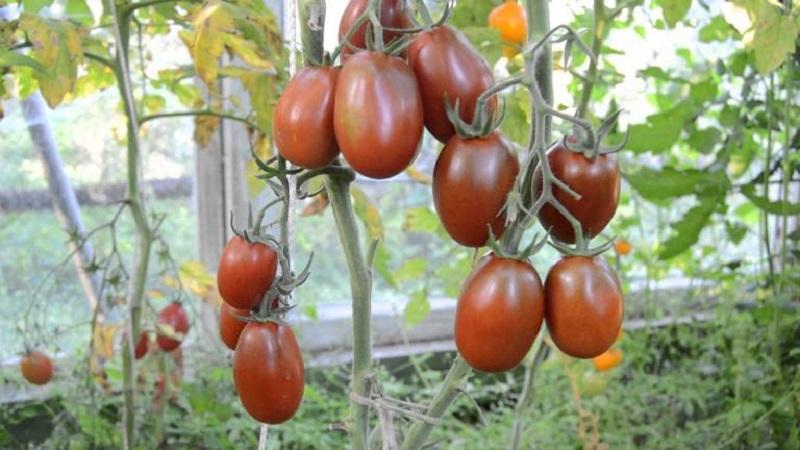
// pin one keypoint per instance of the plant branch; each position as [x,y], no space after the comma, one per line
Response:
[203,112]
[600,23]
[526,397]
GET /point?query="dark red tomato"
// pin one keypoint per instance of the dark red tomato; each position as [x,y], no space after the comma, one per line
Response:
[583,309]
[173,324]
[471,181]
[303,125]
[268,372]
[448,69]
[36,367]
[230,326]
[393,14]
[499,313]
[246,271]
[597,181]
[378,115]
[142,346]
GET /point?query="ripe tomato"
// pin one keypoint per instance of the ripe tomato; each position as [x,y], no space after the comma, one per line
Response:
[509,19]
[36,367]
[597,181]
[142,346]
[230,326]
[303,125]
[392,15]
[378,116]
[584,305]
[268,372]
[622,247]
[448,69]
[172,317]
[471,181]
[499,313]
[608,360]
[246,271]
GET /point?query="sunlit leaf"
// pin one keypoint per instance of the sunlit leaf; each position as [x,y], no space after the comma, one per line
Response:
[196,278]
[204,129]
[765,30]
[659,185]
[367,212]
[778,208]
[9,58]
[686,232]
[675,10]
[421,219]
[417,308]
[412,269]
[381,264]
[103,341]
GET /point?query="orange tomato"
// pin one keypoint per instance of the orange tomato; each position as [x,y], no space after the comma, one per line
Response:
[608,360]
[509,19]
[622,247]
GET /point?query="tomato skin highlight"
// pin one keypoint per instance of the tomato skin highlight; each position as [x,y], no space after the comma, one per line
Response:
[393,14]
[448,68]
[471,181]
[509,19]
[499,314]
[584,305]
[598,183]
[230,327]
[246,271]
[378,114]
[303,125]
[268,372]
[36,367]
[172,315]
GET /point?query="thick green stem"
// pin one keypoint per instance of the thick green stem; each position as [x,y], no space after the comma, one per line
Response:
[456,377]
[597,45]
[538,12]
[312,23]
[338,189]
[144,234]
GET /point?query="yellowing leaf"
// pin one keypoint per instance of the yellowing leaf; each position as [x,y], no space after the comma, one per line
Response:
[171,282]
[103,343]
[367,212]
[418,175]
[196,278]
[248,51]
[765,30]
[155,294]
[254,185]
[204,129]
[211,23]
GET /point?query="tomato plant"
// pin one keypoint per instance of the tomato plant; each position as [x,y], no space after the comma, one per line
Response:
[471,181]
[231,324]
[246,271]
[303,121]
[499,313]
[268,372]
[378,114]
[448,70]
[584,308]
[597,181]
[392,14]
[36,367]
[172,325]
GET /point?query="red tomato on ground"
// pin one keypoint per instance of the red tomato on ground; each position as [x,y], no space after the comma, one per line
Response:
[230,326]
[471,181]
[597,181]
[378,115]
[448,69]
[393,14]
[172,317]
[268,372]
[303,124]
[499,313]
[36,367]
[246,271]
[584,307]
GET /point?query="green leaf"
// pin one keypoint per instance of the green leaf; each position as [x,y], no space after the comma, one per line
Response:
[486,41]
[686,232]
[778,208]
[412,269]
[212,23]
[704,141]
[675,10]
[736,231]
[659,185]
[57,46]
[417,308]
[367,212]
[9,58]
[381,265]
[517,121]
[661,131]
[79,11]
[34,6]
[421,219]
[704,91]
[716,30]
[765,30]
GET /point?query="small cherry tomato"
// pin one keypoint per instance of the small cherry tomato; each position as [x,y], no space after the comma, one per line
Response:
[268,372]
[509,19]
[583,309]
[622,247]
[607,360]
[172,325]
[246,272]
[142,346]
[230,324]
[499,313]
[36,367]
